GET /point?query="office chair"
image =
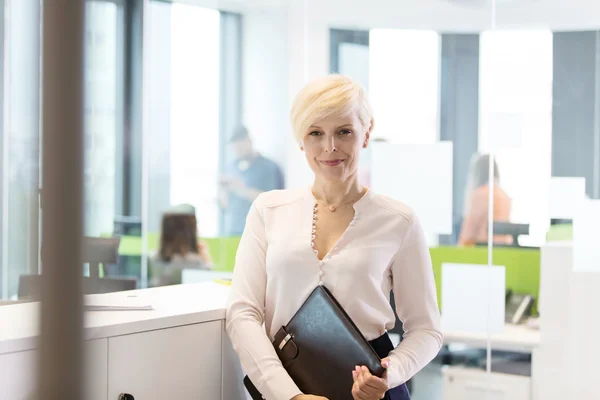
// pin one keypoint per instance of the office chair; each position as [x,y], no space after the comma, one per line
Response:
[95,251]
[98,251]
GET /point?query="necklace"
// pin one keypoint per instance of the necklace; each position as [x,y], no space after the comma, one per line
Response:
[333,207]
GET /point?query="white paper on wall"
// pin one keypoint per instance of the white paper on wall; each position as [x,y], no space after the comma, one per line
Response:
[565,194]
[473,298]
[504,130]
[586,236]
[419,175]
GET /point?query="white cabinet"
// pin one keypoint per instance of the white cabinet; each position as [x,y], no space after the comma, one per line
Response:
[176,363]
[96,368]
[473,384]
[17,386]
[176,350]
[18,372]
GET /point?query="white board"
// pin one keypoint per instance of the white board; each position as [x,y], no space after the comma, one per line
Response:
[565,194]
[473,298]
[586,236]
[419,175]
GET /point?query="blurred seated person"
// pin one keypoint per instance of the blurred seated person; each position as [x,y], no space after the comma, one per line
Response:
[248,176]
[179,247]
[474,228]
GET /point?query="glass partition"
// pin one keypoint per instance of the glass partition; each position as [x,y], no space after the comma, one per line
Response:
[487,125]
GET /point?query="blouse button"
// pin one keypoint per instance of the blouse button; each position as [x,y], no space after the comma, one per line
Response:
[321,273]
[321,283]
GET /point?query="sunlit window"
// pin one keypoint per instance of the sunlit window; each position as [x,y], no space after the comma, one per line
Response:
[101,115]
[195,111]
[183,131]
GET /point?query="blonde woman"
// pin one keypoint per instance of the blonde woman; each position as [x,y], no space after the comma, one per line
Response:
[340,234]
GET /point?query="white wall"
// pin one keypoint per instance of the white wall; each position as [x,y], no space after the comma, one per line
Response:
[441,15]
[458,15]
[281,52]
[286,43]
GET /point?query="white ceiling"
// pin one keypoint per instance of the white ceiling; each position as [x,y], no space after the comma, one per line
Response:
[441,15]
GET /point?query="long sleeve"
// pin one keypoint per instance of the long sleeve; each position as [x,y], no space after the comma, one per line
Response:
[416,306]
[246,314]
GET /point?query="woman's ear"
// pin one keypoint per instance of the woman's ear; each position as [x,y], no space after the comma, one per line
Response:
[366,140]
[368,134]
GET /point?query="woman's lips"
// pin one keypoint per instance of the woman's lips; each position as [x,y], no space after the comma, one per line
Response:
[332,163]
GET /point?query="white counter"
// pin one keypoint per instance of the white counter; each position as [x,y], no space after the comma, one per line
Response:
[179,349]
[173,306]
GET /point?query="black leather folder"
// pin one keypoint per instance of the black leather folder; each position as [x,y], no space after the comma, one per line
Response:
[320,347]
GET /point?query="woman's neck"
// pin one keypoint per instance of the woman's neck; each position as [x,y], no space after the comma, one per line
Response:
[336,192]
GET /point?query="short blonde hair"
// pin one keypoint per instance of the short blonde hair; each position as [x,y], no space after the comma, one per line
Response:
[327,96]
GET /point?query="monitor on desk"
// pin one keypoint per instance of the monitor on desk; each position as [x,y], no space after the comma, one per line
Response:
[510,229]
[126,225]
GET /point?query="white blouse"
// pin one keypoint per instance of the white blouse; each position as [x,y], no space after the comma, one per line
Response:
[276,269]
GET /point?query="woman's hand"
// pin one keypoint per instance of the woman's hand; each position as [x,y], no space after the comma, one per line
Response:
[308,397]
[367,386]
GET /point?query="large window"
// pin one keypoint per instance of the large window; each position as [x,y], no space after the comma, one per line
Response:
[183,135]
[20,143]
[103,113]
[195,112]
[516,120]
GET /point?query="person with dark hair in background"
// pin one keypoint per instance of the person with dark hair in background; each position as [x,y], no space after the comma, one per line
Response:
[179,247]
[475,223]
[248,176]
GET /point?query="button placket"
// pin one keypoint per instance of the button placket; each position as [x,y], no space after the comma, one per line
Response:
[312,244]
[314,231]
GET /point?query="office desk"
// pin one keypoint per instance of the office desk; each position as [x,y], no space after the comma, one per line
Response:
[461,382]
[176,350]
[517,338]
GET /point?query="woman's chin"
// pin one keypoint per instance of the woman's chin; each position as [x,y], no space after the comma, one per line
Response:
[333,178]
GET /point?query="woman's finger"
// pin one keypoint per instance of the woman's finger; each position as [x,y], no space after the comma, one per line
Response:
[357,394]
[365,388]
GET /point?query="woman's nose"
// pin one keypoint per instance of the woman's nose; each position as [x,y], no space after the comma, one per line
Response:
[330,145]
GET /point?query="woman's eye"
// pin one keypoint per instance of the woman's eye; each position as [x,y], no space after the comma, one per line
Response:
[345,132]
[315,133]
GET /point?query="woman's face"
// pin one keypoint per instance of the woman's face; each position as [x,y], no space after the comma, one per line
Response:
[332,147]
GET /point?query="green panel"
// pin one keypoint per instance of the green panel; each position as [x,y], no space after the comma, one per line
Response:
[130,246]
[522,265]
[560,232]
[222,250]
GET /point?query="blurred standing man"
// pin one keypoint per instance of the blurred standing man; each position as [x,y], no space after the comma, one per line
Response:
[248,176]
